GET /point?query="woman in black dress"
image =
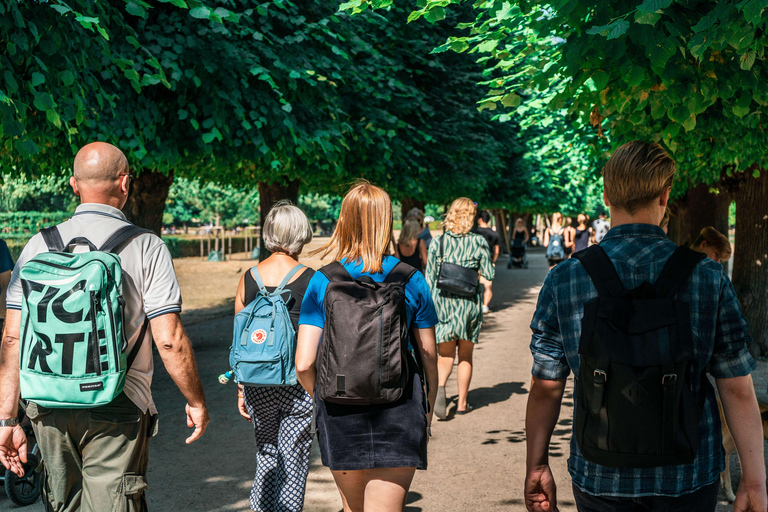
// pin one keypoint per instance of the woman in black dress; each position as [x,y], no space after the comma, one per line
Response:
[410,248]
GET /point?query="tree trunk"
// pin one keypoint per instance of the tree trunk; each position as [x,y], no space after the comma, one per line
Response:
[146,200]
[698,209]
[407,203]
[269,194]
[750,259]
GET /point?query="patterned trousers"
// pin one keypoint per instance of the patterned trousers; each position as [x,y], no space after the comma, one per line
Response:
[282,419]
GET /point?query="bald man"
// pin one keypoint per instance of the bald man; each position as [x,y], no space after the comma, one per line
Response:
[96,459]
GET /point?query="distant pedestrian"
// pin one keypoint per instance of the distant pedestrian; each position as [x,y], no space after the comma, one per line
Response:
[569,233]
[714,244]
[410,248]
[281,416]
[372,450]
[520,232]
[640,322]
[600,228]
[418,215]
[460,315]
[492,237]
[581,234]
[554,240]
[96,457]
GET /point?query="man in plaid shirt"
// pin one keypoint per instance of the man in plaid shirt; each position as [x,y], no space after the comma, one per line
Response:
[638,180]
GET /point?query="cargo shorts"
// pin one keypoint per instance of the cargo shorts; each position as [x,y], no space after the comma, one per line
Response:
[95,460]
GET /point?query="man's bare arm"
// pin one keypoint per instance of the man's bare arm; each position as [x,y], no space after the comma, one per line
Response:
[175,350]
[742,415]
[13,448]
[540,419]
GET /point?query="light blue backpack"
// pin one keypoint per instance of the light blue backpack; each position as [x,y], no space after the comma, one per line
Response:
[264,341]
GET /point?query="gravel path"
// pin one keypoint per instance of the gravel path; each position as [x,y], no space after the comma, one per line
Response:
[476,462]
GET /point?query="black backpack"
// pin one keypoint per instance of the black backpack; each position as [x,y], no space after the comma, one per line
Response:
[634,406]
[363,356]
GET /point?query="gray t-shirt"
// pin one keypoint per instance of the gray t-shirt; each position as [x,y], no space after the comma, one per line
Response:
[150,287]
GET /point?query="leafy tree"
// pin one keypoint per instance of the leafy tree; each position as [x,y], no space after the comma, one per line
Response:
[51,193]
[190,201]
[688,74]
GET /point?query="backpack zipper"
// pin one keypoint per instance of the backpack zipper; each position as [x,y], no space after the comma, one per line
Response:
[95,328]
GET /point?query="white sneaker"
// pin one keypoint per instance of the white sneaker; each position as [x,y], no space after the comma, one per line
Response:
[486,309]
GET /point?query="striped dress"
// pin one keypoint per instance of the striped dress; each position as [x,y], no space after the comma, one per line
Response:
[460,318]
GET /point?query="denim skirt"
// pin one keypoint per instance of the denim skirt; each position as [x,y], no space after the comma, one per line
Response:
[353,437]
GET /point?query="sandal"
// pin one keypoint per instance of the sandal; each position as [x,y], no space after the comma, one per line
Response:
[465,411]
[440,405]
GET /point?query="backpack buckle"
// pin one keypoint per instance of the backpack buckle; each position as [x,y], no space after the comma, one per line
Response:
[602,374]
[669,379]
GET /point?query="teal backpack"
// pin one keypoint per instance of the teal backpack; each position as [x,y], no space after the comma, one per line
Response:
[72,346]
[264,341]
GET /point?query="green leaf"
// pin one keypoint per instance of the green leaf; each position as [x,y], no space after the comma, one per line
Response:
[194,124]
[748,60]
[511,100]
[600,79]
[753,10]
[37,79]
[136,10]
[209,137]
[67,77]
[671,131]
[690,123]
[740,111]
[649,6]
[612,30]
[103,33]
[62,9]
[183,114]
[679,114]
[177,3]
[202,13]
[10,82]
[488,45]
[11,127]
[53,118]
[25,147]
[435,14]
[647,18]
[131,74]
[44,101]
[287,107]
[135,42]
[635,76]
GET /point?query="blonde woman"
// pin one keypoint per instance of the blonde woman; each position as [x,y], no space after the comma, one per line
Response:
[460,317]
[373,451]
[554,240]
[410,248]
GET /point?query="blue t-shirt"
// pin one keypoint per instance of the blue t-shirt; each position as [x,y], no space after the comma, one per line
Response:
[6,260]
[419,306]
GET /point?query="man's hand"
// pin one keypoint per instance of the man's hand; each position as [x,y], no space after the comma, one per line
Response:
[540,490]
[197,417]
[750,498]
[13,448]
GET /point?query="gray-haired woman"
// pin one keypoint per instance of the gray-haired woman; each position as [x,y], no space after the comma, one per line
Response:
[281,416]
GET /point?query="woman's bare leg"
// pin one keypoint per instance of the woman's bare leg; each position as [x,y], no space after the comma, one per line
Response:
[465,372]
[387,488]
[446,353]
[351,485]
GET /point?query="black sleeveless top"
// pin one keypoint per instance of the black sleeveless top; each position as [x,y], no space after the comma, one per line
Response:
[413,260]
[580,240]
[298,288]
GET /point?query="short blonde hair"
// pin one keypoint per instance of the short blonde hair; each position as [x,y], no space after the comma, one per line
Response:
[461,216]
[715,239]
[416,214]
[286,229]
[364,230]
[411,230]
[636,174]
[558,216]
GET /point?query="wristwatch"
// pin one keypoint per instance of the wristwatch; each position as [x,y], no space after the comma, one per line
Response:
[10,423]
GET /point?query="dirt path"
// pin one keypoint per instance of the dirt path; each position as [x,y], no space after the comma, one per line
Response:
[476,462]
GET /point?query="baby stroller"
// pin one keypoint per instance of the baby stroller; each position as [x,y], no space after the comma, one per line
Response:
[25,490]
[517,255]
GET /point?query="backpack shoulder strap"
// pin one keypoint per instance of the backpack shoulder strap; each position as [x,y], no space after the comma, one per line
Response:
[601,270]
[117,241]
[259,282]
[401,273]
[287,278]
[137,346]
[335,271]
[677,269]
[52,239]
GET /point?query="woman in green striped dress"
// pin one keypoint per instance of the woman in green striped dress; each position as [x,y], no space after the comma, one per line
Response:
[460,318]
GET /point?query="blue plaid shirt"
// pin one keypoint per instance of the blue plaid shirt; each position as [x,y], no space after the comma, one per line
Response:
[639,252]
